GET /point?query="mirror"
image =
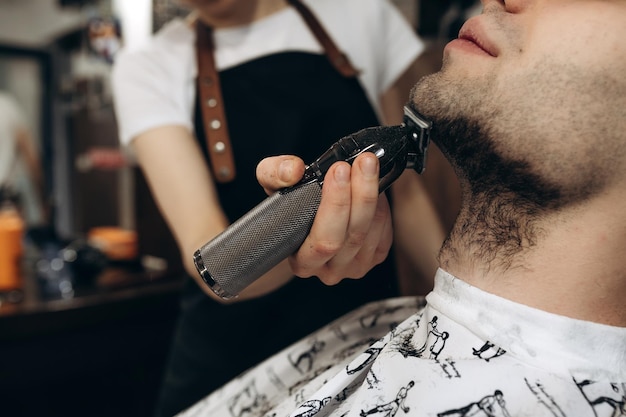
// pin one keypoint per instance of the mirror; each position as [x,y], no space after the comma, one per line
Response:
[24,137]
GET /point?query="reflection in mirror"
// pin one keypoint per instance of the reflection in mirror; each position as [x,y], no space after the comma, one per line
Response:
[21,168]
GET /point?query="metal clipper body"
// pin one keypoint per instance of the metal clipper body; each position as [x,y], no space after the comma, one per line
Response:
[276,228]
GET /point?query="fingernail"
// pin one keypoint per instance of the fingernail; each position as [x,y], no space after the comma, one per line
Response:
[284,170]
[342,174]
[368,166]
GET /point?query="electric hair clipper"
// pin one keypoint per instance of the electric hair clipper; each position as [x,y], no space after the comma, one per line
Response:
[276,228]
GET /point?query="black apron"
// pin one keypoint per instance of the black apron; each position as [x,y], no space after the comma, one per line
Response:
[286,103]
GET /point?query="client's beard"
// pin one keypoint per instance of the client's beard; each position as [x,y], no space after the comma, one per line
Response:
[502,198]
[486,173]
[505,197]
[482,139]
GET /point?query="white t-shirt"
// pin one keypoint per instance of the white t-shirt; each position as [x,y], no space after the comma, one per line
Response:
[155,85]
[465,353]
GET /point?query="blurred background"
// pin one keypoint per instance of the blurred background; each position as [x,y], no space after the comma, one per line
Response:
[86,318]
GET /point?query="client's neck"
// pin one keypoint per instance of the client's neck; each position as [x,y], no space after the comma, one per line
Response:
[570,263]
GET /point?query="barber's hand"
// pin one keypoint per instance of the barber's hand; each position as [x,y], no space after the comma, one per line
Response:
[352,231]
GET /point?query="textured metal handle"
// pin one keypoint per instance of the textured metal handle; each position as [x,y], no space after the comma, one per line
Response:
[259,240]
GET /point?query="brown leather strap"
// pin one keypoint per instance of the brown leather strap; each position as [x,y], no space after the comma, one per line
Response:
[212,107]
[338,59]
[210,93]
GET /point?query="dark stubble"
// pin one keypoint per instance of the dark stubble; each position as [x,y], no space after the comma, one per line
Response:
[504,199]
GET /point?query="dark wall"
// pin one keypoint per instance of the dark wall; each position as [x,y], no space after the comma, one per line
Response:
[431,13]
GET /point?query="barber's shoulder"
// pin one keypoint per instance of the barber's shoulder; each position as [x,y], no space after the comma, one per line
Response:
[173,35]
[163,52]
[355,6]
[359,6]
[350,19]
[177,31]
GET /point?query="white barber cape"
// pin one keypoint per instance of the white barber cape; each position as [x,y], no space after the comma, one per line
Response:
[458,352]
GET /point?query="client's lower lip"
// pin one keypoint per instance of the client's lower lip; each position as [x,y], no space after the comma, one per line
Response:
[467,45]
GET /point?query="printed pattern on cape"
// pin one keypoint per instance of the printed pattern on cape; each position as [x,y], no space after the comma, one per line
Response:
[364,365]
[284,381]
[437,368]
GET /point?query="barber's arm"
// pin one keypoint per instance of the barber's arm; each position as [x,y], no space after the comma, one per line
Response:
[183,188]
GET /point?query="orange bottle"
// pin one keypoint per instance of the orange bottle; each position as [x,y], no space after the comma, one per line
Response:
[11,233]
